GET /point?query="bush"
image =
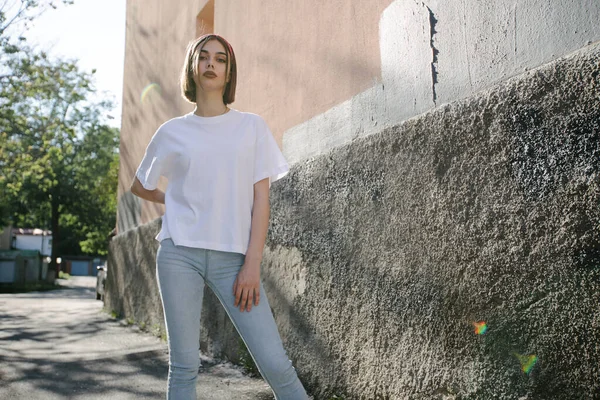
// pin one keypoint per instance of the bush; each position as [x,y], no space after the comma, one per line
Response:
[63,275]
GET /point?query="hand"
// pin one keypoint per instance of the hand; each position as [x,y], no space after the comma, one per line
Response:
[247,286]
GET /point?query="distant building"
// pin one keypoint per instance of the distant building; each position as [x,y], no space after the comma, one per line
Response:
[24,254]
[81,265]
[32,239]
[21,266]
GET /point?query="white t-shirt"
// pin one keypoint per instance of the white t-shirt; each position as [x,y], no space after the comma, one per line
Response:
[211,164]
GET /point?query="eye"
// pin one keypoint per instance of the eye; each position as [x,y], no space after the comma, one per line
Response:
[201,57]
[223,61]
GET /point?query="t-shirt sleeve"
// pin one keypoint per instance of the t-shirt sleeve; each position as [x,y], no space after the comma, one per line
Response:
[152,166]
[269,162]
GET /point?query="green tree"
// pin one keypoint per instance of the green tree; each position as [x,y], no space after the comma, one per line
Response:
[58,158]
[97,179]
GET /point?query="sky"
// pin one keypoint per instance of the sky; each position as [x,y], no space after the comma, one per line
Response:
[92,31]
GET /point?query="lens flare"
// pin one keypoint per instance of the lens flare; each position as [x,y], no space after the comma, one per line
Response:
[480,327]
[527,362]
[148,91]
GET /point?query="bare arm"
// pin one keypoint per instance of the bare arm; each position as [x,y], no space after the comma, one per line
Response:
[156,195]
[260,221]
[247,284]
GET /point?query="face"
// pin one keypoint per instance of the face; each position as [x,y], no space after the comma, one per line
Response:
[212,66]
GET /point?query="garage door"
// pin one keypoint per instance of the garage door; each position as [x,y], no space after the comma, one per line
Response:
[7,271]
[79,268]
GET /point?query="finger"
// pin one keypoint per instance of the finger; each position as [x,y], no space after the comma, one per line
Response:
[253,298]
[256,296]
[238,296]
[244,300]
[235,286]
[249,305]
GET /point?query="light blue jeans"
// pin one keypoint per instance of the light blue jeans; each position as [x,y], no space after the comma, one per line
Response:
[182,272]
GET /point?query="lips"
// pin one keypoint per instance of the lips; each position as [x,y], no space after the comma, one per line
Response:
[210,74]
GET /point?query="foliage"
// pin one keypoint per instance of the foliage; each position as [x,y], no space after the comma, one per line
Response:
[98,180]
[58,157]
[245,359]
[63,275]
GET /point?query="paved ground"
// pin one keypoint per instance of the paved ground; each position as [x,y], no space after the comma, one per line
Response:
[61,345]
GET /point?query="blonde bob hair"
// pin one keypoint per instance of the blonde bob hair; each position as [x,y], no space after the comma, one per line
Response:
[190,68]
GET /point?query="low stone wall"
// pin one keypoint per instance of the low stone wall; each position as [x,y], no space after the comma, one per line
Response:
[383,255]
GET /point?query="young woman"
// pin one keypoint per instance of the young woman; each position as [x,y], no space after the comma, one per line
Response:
[220,163]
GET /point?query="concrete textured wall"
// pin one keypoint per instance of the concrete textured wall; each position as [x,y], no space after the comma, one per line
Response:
[383,253]
[436,52]
[131,290]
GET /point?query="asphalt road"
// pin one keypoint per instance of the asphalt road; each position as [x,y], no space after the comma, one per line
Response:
[61,345]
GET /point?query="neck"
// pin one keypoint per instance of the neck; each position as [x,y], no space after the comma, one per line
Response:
[205,110]
[209,104]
